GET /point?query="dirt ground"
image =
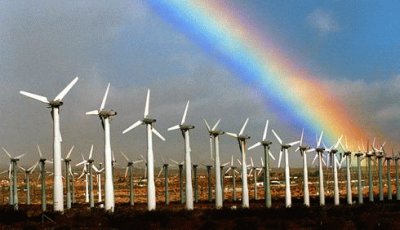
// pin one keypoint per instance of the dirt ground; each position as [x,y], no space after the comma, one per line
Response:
[204,216]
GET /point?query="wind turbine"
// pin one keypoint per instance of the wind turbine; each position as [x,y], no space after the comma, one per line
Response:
[105,117]
[347,154]
[304,149]
[188,171]
[241,138]
[332,157]
[319,151]
[388,158]
[234,172]
[13,171]
[67,161]
[379,153]
[358,155]
[129,168]
[98,172]
[214,147]
[284,148]
[58,196]
[396,163]
[196,184]
[180,168]
[369,155]
[89,163]
[148,121]
[267,153]
[28,172]
[42,164]
[166,192]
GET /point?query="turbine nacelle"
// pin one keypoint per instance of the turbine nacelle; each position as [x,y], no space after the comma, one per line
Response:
[149,121]
[243,137]
[216,132]
[266,143]
[107,113]
[186,127]
[347,153]
[334,151]
[55,103]
[320,150]
[304,148]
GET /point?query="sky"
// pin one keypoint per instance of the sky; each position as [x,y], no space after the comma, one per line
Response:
[351,49]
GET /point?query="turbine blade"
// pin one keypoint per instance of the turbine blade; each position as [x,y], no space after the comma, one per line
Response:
[146,107]
[174,127]
[94,112]
[69,153]
[35,96]
[265,131]
[22,168]
[277,137]
[157,134]
[208,126]
[338,142]
[20,156]
[81,163]
[231,160]
[294,143]
[255,145]
[5,150]
[216,125]
[126,171]
[91,152]
[262,162]
[103,103]
[272,156]
[231,134]
[64,92]
[40,152]
[280,158]
[185,113]
[315,158]
[126,158]
[134,125]
[243,127]
[174,161]
[211,148]
[301,138]
[159,173]
[320,139]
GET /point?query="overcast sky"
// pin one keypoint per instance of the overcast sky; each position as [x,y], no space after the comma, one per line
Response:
[352,48]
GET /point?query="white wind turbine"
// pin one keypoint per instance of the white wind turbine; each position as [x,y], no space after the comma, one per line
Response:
[148,121]
[319,151]
[13,175]
[304,149]
[105,116]
[28,172]
[67,161]
[58,196]
[188,163]
[214,147]
[335,163]
[98,178]
[129,168]
[241,138]
[89,166]
[267,153]
[284,149]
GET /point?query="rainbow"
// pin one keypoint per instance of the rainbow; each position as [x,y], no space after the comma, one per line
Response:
[288,90]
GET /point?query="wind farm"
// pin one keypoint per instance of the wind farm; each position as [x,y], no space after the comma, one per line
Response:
[319,80]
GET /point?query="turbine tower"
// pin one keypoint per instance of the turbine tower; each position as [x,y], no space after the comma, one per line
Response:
[105,117]
[284,148]
[241,138]
[148,121]
[188,163]
[347,154]
[214,147]
[58,196]
[267,185]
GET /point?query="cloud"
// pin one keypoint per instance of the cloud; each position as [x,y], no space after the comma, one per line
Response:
[322,21]
[374,103]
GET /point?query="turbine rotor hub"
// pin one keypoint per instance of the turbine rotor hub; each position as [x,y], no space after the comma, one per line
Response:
[148,120]
[55,104]
[107,113]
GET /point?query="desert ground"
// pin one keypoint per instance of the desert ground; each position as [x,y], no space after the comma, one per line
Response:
[204,216]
